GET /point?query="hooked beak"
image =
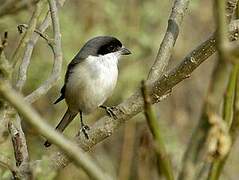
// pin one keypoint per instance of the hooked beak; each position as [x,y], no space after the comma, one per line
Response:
[124,51]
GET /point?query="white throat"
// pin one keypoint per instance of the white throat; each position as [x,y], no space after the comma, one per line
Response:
[110,59]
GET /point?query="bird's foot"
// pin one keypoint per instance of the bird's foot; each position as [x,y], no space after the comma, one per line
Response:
[85,129]
[110,111]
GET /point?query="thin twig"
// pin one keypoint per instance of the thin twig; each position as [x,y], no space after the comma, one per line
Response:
[165,163]
[41,34]
[55,75]
[22,74]
[26,37]
[170,37]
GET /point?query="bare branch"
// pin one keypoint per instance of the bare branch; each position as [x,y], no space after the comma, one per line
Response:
[106,126]
[28,34]
[41,34]
[22,75]
[51,81]
[170,37]
[31,116]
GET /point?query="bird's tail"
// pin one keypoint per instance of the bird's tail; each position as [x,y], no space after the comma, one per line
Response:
[65,121]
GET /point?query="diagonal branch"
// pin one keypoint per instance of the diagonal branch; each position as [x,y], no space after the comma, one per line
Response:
[106,126]
[32,117]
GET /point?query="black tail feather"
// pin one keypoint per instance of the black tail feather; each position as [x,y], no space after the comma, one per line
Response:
[65,121]
[59,99]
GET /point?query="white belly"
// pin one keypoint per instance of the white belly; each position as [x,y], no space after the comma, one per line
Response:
[91,83]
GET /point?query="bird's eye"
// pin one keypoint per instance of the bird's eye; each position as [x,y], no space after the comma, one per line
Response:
[111,48]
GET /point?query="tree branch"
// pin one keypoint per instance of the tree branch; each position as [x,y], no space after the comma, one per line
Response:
[170,37]
[28,34]
[25,110]
[22,74]
[72,150]
[106,126]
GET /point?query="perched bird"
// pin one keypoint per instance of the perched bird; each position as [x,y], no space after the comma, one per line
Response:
[90,79]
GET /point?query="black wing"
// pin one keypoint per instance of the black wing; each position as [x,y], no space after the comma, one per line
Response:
[62,94]
[77,59]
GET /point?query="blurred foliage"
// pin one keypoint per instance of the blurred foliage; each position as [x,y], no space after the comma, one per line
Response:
[140,25]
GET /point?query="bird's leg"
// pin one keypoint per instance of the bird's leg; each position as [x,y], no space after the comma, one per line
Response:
[84,127]
[109,111]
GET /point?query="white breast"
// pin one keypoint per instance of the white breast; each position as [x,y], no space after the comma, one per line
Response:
[92,82]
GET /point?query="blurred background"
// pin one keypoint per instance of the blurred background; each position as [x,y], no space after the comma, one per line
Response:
[140,25]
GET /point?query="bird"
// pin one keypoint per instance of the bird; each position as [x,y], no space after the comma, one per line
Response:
[90,79]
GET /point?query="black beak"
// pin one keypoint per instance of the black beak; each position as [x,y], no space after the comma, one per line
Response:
[124,51]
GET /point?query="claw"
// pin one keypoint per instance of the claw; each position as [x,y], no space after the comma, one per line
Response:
[110,111]
[84,129]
